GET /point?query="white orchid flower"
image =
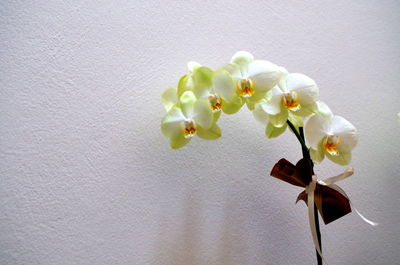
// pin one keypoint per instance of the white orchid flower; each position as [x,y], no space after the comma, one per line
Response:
[188,117]
[331,136]
[295,94]
[252,78]
[216,86]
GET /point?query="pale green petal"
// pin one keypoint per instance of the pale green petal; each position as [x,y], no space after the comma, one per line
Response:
[185,83]
[271,131]
[203,114]
[186,102]
[203,76]
[214,132]
[296,120]
[317,155]
[216,115]
[316,128]
[233,106]
[343,158]
[224,85]
[260,115]
[233,70]
[306,110]
[202,81]
[178,141]
[305,87]
[170,124]
[347,132]
[273,105]
[243,59]
[264,74]
[250,105]
[257,97]
[192,66]
[280,119]
[169,98]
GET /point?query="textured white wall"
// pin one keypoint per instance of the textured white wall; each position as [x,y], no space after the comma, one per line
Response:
[87,177]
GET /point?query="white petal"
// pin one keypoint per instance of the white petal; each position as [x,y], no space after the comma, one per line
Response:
[223,84]
[192,66]
[170,124]
[169,98]
[242,59]
[316,129]
[305,87]
[347,132]
[260,115]
[186,102]
[264,74]
[203,114]
[273,105]
[323,109]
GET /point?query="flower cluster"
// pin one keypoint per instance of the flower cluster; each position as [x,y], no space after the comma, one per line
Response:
[275,96]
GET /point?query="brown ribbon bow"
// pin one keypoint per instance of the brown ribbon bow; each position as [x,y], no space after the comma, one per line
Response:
[331,203]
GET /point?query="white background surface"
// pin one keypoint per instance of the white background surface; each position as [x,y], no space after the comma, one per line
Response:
[87,177]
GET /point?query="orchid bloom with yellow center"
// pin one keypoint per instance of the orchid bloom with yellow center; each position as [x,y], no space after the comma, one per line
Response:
[216,86]
[186,117]
[331,136]
[295,95]
[252,78]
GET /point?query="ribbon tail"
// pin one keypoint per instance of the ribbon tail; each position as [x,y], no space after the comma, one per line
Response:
[363,217]
[337,188]
[347,173]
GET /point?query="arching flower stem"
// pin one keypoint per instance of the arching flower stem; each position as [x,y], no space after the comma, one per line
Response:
[300,136]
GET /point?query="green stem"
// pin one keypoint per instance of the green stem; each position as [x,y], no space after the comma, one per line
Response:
[306,155]
[300,137]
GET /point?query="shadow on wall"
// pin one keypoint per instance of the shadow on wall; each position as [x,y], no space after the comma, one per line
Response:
[241,236]
[177,243]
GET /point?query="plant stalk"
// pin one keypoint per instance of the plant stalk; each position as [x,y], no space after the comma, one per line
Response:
[306,155]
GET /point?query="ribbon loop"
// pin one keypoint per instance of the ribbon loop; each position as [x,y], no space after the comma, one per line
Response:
[331,200]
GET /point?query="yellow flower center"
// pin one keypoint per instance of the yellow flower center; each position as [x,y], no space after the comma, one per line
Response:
[331,143]
[216,102]
[290,100]
[188,128]
[245,87]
